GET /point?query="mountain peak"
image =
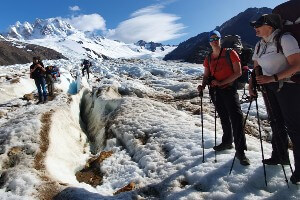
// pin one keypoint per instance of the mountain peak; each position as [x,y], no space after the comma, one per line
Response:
[151,46]
[40,28]
[196,48]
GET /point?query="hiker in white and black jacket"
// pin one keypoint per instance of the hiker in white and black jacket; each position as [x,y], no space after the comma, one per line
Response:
[283,95]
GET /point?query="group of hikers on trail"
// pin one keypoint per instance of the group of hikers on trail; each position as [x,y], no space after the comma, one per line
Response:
[41,76]
[276,73]
[48,75]
[276,70]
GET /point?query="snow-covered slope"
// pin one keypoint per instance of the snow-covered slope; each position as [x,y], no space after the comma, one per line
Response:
[145,112]
[59,35]
[97,47]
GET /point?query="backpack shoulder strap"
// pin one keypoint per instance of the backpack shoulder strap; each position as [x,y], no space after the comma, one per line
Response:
[227,56]
[277,39]
[258,48]
[209,58]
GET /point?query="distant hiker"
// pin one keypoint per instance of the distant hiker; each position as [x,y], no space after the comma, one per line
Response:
[283,95]
[86,66]
[37,72]
[52,73]
[220,77]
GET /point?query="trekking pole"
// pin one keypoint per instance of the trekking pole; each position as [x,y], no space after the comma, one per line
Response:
[272,118]
[244,125]
[255,88]
[271,115]
[286,180]
[215,123]
[201,112]
[261,145]
[244,97]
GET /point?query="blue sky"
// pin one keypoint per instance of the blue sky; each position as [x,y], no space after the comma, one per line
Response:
[166,21]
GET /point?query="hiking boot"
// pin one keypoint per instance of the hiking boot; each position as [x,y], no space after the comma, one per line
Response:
[295,180]
[45,101]
[275,161]
[222,147]
[39,102]
[243,159]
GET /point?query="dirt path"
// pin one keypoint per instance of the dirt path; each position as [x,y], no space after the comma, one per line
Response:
[49,188]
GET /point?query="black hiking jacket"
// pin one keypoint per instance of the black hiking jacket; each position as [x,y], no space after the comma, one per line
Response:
[37,73]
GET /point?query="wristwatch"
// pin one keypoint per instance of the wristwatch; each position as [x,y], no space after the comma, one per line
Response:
[275,77]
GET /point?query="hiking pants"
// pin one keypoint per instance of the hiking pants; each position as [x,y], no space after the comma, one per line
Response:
[50,84]
[287,101]
[87,71]
[41,87]
[279,132]
[228,106]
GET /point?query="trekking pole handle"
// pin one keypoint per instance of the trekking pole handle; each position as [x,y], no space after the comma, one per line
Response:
[200,89]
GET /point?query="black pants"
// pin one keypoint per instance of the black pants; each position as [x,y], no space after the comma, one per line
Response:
[279,132]
[87,71]
[228,106]
[50,84]
[287,103]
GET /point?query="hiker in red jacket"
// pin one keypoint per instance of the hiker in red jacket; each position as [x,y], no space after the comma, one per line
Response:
[221,76]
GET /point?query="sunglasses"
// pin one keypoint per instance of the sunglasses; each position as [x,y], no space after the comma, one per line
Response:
[258,25]
[214,39]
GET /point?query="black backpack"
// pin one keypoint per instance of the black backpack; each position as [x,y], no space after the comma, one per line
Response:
[234,42]
[290,15]
[87,63]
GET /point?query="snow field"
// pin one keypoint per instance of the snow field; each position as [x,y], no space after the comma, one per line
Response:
[156,143]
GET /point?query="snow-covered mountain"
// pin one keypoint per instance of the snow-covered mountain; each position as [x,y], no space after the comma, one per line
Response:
[151,46]
[40,29]
[196,48]
[97,47]
[57,34]
[2,38]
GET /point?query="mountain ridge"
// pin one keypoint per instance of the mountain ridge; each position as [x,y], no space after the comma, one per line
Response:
[13,52]
[151,46]
[40,28]
[195,49]
[56,34]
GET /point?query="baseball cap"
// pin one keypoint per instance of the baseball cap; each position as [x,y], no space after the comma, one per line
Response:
[214,32]
[272,20]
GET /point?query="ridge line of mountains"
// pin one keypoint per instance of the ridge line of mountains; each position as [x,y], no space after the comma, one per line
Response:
[196,48]
[62,33]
